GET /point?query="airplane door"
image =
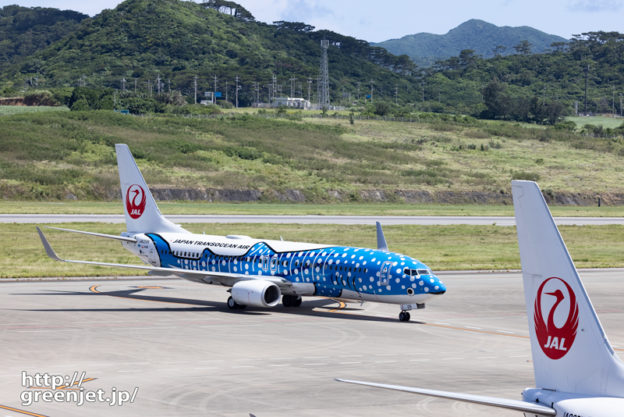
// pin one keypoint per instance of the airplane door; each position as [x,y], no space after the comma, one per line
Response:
[265,263]
[384,274]
[273,265]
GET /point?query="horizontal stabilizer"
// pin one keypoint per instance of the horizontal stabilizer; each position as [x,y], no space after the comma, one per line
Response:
[516,405]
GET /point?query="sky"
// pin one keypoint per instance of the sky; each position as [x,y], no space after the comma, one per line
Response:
[376,21]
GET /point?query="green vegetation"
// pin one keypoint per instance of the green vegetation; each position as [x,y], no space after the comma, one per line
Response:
[517,85]
[485,39]
[24,31]
[163,44]
[258,208]
[10,110]
[444,248]
[144,56]
[242,157]
[606,122]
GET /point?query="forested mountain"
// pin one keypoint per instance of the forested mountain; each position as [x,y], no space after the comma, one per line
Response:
[174,41]
[505,87]
[24,31]
[485,39]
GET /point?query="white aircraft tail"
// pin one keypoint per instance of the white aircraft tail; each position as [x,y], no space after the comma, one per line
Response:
[142,213]
[570,350]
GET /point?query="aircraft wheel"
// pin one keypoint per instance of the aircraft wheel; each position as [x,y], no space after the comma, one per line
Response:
[404,316]
[233,305]
[291,300]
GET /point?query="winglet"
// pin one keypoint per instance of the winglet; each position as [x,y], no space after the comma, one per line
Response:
[381,239]
[49,251]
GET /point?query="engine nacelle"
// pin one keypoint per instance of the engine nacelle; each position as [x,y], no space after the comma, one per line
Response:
[256,293]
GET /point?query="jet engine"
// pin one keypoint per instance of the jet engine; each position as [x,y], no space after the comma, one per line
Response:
[256,293]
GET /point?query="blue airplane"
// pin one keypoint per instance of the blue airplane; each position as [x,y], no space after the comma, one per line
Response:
[260,272]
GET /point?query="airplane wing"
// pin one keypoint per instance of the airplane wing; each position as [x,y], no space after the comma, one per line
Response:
[225,278]
[516,405]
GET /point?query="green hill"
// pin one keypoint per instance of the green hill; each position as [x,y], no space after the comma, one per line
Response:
[244,157]
[485,39]
[178,40]
[23,31]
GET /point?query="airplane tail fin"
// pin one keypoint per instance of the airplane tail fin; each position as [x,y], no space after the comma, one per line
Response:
[142,213]
[571,352]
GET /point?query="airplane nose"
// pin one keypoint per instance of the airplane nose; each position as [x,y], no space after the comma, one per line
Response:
[438,288]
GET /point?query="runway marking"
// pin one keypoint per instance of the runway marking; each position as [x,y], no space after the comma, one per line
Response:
[17,410]
[349,363]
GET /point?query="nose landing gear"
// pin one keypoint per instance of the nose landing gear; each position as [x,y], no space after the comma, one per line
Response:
[404,315]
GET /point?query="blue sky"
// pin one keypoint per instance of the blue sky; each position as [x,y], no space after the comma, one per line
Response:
[376,21]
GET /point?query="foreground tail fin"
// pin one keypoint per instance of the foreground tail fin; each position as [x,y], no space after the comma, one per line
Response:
[570,350]
[142,214]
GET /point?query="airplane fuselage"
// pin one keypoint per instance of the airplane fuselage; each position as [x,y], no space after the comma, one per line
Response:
[313,269]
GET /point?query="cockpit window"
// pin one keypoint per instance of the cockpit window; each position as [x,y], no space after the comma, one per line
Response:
[424,272]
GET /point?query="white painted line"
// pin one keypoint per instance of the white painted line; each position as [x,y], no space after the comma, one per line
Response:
[505,331]
[473,328]
[349,363]
[420,360]
[442,323]
[314,364]
[279,364]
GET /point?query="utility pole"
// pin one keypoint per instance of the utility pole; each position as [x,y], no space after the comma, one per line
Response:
[226,91]
[273,89]
[257,93]
[236,92]
[358,91]
[195,88]
[396,94]
[372,90]
[309,89]
[158,85]
[135,86]
[324,99]
[586,73]
[214,92]
[292,86]
[123,84]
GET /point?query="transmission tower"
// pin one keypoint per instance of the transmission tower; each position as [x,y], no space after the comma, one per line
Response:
[324,98]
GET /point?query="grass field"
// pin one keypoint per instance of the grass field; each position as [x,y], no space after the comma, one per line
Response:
[56,155]
[440,247]
[604,121]
[346,209]
[10,110]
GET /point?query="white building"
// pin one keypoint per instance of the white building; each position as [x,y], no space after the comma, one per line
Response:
[291,103]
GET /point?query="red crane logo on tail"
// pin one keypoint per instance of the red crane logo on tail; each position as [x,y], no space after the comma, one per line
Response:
[135,201]
[556,341]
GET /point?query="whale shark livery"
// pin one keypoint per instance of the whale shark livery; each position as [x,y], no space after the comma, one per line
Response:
[258,271]
[577,373]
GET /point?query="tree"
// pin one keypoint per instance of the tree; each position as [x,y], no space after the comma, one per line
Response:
[523,48]
[495,100]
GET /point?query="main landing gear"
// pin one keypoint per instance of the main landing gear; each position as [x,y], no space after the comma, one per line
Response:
[291,300]
[233,305]
[404,316]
